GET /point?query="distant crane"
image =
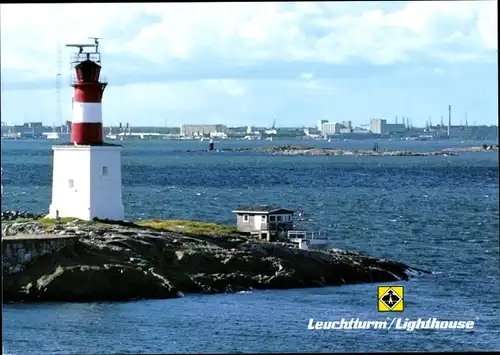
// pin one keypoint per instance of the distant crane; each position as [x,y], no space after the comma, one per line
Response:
[449,121]
[59,82]
[59,110]
[272,130]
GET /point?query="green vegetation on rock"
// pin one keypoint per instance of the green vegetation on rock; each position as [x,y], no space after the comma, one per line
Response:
[50,222]
[189,227]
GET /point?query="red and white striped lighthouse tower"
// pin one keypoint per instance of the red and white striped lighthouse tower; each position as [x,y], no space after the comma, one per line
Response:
[86,127]
[86,181]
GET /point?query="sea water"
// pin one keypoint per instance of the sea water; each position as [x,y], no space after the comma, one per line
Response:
[436,213]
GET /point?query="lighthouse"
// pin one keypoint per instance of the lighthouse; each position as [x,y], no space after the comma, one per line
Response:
[86,179]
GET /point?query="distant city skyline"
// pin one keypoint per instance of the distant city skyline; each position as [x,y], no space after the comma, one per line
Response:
[248,64]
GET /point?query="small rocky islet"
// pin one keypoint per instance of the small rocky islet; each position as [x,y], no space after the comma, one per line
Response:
[77,261]
[312,151]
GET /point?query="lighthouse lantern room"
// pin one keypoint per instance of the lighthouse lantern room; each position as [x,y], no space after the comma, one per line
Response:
[86,180]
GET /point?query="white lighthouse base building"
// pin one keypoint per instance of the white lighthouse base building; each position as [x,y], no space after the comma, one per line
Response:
[86,182]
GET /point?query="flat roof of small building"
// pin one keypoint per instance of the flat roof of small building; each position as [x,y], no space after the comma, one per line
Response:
[261,209]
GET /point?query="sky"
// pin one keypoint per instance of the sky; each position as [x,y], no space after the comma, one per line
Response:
[251,63]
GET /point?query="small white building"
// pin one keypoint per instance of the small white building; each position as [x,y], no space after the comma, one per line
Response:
[265,220]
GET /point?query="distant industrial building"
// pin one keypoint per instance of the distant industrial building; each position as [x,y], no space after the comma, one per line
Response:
[329,128]
[346,125]
[33,130]
[360,130]
[320,124]
[395,128]
[193,130]
[378,126]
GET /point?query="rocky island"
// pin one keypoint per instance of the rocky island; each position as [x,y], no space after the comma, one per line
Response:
[311,151]
[484,147]
[77,261]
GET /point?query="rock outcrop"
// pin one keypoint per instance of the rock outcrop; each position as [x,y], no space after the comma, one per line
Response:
[105,261]
[310,151]
[482,148]
[17,215]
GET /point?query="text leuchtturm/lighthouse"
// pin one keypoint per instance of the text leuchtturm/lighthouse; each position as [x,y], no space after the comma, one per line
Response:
[86,181]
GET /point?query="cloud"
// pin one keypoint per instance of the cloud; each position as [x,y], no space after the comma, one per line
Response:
[234,53]
[165,33]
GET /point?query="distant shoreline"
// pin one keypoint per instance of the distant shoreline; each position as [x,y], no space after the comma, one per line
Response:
[279,138]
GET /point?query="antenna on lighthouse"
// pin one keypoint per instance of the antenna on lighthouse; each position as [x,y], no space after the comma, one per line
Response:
[58,82]
[99,58]
[82,55]
[96,42]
